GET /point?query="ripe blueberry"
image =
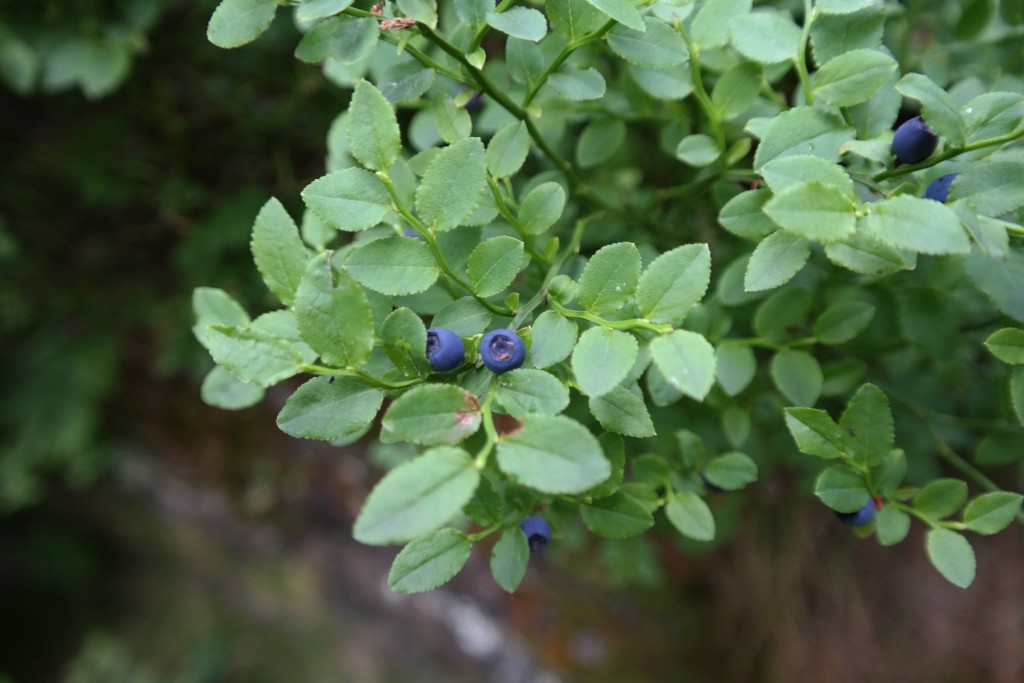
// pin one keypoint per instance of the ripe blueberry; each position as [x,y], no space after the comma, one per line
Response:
[939,188]
[445,349]
[538,532]
[860,517]
[914,141]
[502,350]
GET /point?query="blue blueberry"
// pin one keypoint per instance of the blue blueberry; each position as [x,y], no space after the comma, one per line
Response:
[939,188]
[475,102]
[445,349]
[538,532]
[860,517]
[914,141]
[502,350]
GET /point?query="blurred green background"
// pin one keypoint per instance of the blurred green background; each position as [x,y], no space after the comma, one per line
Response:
[146,537]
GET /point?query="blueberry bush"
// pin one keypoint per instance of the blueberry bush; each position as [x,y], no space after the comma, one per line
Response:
[663,248]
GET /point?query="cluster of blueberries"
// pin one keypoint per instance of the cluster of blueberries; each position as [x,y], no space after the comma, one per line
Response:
[500,350]
[914,142]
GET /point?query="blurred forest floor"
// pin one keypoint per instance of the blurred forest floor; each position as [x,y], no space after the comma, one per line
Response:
[152,538]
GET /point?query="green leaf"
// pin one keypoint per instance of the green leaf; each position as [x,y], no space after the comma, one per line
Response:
[663,84]
[803,130]
[1017,393]
[213,306]
[776,261]
[888,472]
[619,515]
[333,314]
[766,36]
[917,224]
[494,264]
[602,358]
[785,172]
[452,121]
[993,188]
[623,412]
[993,114]
[938,108]
[599,141]
[330,408]
[990,513]
[737,89]
[525,391]
[406,82]
[251,355]
[687,361]
[508,149]
[658,46]
[841,488]
[779,314]
[418,496]
[393,266]
[429,561]
[891,525]
[1001,279]
[698,150]
[373,135]
[673,283]
[834,35]
[345,39]
[622,11]
[843,321]
[509,559]
[691,516]
[864,254]
[735,366]
[577,85]
[609,278]
[816,211]
[221,389]
[853,77]
[520,22]
[952,556]
[278,251]
[283,324]
[474,12]
[451,187]
[237,22]
[311,10]
[731,471]
[573,19]
[815,432]
[743,217]
[867,426]
[424,11]
[465,317]
[553,454]
[351,199]
[432,415]
[554,338]
[404,338]
[844,6]
[710,27]
[941,498]
[797,375]
[542,207]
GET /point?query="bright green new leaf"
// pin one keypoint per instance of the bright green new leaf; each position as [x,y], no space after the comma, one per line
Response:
[797,375]
[623,412]
[508,149]
[430,561]
[731,471]
[938,109]
[843,321]
[542,207]
[452,185]
[841,488]
[351,199]
[619,515]
[373,135]
[237,22]
[853,77]
[525,391]
[330,408]
[990,513]
[418,496]
[577,85]
[520,22]
[687,362]
[278,251]
[622,11]
[941,498]
[921,225]
[867,426]
[494,264]
[554,338]
[658,46]
[432,415]
[333,315]
[674,282]
[609,278]
[251,355]
[766,36]
[691,516]
[602,358]
[815,211]
[221,389]
[553,454]
[776,261]
[509,559]
[735,366]
[815,432]
[394,266]
[951,554]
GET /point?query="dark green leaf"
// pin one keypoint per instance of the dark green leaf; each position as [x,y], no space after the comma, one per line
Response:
[815,432]
[798,376]
[330,408]
[553,454]
[452,185]
[917,224]
[622,11]
[432,414]
[404,338]
[734,366]
[658,45]
[623,412]
[867,426]
[609,278]
[494,264]
[841,488]
[508,149]
[525,391]
[351,199]
[941,498]
[853,77]
[554,338]
[429,561]
[237,22]
[521,22]
[373,135]
[731,471]
[952,555]
[687,362]
[842,322]
[509,559]
[394,266]
[334,317]
[602,358]
[776,261]
[620,515]
[990,513]
[542,207]
[691,516]
[892,525]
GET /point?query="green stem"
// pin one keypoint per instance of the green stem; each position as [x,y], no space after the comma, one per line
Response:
[631,324]
[556,267]
[915,513]
[949,154]
[490,430]
[564,55]
[482,31]
[313,369]
[504,210]
[801,58]
[699,90]
[431,241]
